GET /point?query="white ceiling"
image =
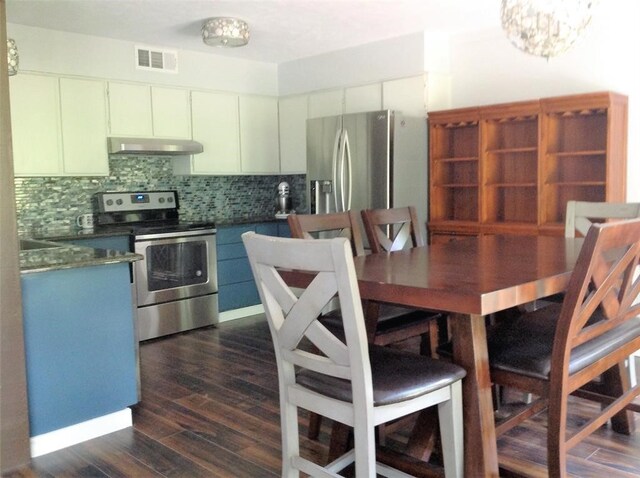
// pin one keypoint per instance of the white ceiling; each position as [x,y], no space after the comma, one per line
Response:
[281,30]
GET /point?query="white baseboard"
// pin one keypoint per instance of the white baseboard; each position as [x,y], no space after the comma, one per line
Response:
[74,434]
[240,313]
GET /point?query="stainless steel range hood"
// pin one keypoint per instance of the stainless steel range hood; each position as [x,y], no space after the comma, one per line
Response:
[154,146]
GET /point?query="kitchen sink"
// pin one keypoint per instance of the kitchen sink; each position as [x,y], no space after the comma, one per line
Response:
[32,244]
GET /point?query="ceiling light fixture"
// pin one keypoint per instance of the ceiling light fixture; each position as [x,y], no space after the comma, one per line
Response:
[545,27]
[225,32]
[12,56]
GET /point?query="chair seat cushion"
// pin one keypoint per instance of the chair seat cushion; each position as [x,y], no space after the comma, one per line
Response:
[524,345]
[396,375]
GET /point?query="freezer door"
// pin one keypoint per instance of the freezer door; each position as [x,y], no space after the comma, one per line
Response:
[367,169]
[323,139]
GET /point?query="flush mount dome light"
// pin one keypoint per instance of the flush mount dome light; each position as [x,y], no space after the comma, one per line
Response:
[225,32]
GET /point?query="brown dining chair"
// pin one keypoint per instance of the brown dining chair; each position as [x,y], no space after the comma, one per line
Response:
[395,229]
[392,229]
[580,215]
[577,347]
[344,377]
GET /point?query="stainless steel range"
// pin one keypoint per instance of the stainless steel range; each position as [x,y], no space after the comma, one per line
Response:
[176,283]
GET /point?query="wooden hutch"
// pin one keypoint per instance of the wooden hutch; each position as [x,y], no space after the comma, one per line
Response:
[511,168]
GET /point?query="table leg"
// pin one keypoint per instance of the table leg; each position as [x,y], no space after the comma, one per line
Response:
[470,351]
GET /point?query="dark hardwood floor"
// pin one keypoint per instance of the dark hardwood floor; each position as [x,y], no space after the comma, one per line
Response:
[210,409]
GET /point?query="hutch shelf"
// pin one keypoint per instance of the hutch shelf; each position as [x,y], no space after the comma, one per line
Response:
[511,168]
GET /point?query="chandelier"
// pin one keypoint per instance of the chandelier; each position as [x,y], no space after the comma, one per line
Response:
[225,32]
[545,27]
[12,57]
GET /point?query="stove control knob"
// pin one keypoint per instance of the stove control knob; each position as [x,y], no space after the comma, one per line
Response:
[161,200]
[170,199]
[119,202]
[109,202]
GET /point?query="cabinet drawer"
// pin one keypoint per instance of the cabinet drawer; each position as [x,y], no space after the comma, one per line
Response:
[231,251]
[233,271]
[231,234]
[235,296]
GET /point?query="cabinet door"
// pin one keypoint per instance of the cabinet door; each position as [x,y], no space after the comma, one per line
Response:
[363,98]
[215,124]
[293,134]
[130,110]
[326,103]
[405,96]
[171,113]
[259,135]
[35,120]
[84,127]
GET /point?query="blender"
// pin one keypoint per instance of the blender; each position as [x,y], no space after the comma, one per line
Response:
[283,201]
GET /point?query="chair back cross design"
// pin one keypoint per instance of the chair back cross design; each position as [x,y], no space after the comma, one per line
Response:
[393,229]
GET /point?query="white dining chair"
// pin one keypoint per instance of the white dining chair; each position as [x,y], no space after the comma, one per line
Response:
[343,377]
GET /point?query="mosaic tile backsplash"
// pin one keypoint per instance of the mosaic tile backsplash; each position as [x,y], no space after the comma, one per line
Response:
[55,202]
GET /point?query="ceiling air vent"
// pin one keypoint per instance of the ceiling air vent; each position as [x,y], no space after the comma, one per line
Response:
[156,59]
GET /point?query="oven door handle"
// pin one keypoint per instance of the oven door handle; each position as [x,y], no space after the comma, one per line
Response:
[173,235]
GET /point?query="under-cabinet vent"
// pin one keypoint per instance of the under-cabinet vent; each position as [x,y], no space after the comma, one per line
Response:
[156,59]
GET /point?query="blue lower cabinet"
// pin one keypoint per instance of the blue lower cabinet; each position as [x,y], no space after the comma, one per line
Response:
[236,287]
[80,345]
[284,230]
[236,296]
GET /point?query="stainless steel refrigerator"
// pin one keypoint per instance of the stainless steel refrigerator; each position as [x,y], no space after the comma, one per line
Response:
[367,160]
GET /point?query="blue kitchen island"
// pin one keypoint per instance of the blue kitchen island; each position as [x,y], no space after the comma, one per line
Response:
[80,343]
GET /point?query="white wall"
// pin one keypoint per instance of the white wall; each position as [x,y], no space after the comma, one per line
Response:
[74,54]
[384,60]
[487,69]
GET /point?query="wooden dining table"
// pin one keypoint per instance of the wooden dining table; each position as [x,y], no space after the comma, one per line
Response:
[470,279]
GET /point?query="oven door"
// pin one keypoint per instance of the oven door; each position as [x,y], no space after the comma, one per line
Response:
[175,268]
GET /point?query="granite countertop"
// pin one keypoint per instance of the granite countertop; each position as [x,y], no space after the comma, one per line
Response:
[72,232]
[64,256]
[248,220]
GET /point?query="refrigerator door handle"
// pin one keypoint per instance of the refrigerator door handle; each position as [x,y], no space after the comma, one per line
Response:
[347,151]
[334,167]
[343,191]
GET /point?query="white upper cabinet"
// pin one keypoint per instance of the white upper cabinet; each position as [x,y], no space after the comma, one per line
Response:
[359,99]
[259,148]
[326,103]
[406,96]
[149,111]
[130,111]
[58,126]
[171,112]
[216,125]
[293,134]
[84,127]
[35,123]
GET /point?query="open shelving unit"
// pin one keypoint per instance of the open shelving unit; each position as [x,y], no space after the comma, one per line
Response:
[511,168]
